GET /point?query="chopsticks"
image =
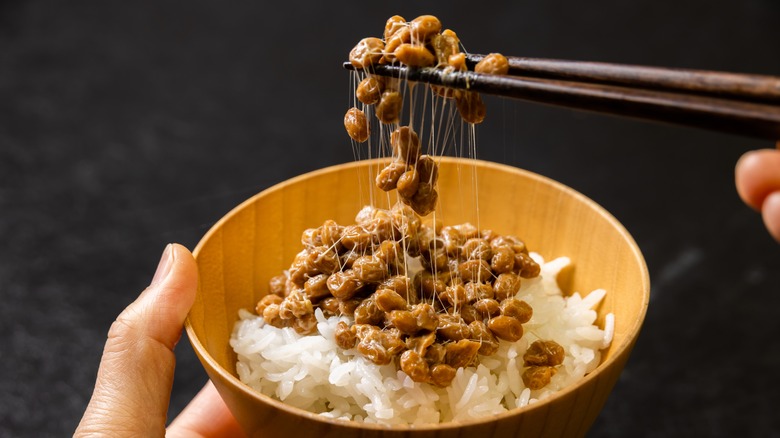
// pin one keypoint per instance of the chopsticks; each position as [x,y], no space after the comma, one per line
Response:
[733,103]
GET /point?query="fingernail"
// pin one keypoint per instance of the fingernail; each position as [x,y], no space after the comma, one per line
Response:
[164,267]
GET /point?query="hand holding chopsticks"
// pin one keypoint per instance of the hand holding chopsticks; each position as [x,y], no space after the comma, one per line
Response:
[734,103]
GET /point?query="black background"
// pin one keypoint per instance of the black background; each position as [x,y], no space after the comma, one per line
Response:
[128,125]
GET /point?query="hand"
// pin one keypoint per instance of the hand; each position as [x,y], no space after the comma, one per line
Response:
[135,377]
[757,176]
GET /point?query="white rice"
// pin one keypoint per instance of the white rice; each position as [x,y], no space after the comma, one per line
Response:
[313,373]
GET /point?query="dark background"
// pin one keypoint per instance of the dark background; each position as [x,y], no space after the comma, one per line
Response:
[128,125]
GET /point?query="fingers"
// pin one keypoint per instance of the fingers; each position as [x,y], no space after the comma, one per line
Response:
[205,416]
[136,372]
[757,175]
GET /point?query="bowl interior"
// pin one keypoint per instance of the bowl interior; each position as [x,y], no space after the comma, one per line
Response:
[259,238]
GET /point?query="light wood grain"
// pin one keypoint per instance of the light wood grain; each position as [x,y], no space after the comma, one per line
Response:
[259,238]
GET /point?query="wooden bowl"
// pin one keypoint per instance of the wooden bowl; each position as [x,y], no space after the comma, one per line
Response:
[259,238]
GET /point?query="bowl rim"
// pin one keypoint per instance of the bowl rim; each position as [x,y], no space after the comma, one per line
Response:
[634,330]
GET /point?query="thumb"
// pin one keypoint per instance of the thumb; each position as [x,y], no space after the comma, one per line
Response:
[135,377]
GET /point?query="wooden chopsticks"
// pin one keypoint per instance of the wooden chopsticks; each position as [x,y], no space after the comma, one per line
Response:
[734,103]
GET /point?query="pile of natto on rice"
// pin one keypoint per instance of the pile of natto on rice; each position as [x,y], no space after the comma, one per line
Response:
[397,319]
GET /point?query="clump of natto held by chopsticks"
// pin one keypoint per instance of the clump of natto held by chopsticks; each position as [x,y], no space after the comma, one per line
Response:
[420,43]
